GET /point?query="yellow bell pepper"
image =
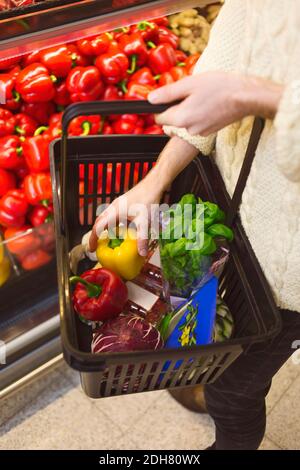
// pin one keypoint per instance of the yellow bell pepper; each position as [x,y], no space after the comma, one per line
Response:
[121,254]
[4,270]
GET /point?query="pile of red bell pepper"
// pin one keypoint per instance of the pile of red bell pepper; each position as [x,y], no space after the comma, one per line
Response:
[126,63]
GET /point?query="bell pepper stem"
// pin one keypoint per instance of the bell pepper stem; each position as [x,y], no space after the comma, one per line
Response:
[151,44]
[123,86]
[157,77]
[93,290]
[109,35]
[180,64]
[40,130]
[19,150]
[86,127]
[19,130]
[16,96]
[53,78]
[133,65]
[74,59]
[44,202]
[143,25]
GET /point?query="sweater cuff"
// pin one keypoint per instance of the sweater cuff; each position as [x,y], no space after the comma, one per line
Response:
[287,126]
[204,144]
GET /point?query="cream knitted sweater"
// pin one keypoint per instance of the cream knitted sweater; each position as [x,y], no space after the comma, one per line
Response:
[262,37]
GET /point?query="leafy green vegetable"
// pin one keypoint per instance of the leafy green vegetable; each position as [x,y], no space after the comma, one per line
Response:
[187,241]
[220,230]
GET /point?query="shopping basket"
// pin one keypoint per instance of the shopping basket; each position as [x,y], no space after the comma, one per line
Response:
[242,283]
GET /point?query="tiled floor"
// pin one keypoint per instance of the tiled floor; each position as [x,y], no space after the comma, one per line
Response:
[54,413]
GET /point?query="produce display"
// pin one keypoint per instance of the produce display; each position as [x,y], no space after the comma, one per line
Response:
[185,268]
[193,27]
[8,4]
[126,64]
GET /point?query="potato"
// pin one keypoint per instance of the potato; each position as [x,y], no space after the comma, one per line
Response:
[185,32]
[187,22]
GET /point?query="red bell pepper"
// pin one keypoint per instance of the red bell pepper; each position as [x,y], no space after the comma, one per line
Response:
[99,294]
[21,171]
[7,90]
[162,21]
[123,127]
[191,62]
[174,74]
[54,130]
[143,76]
[36,153]
[35,84]
[40,215]
[57,59]
[135,48]
[9,62]
[41,112]
[22,240]
[138,92]
[10,152]
[161,58]
[35,260]
[62,95]
[14,72]
[111,93]
[13,207]
[47,235]
[95,45]
[166,36]
[38,188]
[25,125]
[7,181]
[181,57]
[147,29]
[107,129]
[113,65]
[85,84]
[7,122]
[154,129]
[78,59]
[31,58]
[85,125]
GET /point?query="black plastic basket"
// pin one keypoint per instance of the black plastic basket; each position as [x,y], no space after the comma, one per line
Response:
[242,284]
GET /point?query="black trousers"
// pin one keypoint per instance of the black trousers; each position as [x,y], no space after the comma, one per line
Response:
[236,401]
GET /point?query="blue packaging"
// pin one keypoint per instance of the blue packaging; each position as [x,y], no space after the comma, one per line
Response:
[192,322]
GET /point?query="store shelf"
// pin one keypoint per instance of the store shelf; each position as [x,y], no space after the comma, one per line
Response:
[58,21]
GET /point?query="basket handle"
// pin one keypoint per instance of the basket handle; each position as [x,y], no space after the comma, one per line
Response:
[103,108]
[258,126]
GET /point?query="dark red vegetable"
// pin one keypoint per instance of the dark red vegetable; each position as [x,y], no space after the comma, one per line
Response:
[126,333]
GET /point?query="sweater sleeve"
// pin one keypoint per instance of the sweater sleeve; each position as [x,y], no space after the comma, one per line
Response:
[287,127]
[221,53]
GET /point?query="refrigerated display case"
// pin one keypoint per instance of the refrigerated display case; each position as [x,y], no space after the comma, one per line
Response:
[29,312]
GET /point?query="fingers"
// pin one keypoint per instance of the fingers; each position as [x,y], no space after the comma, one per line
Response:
[173,92]
[108,217]
[142,246]
[142,225]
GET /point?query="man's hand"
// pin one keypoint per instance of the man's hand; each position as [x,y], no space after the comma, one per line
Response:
[213,100]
